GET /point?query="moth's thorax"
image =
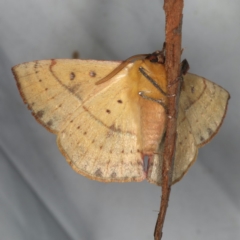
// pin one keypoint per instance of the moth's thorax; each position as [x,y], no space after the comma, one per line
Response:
[152,119]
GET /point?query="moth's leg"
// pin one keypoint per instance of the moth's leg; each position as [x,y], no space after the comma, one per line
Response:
[160,101]
[141,93]
[153,82]
[76,55]
[175,81]
[184,68]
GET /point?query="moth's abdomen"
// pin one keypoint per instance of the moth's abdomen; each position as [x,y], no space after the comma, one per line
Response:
[153,122]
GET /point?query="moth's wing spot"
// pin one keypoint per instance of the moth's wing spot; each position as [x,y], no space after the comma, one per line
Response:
[74,88]
[113,175]
[108,111]
[210,131]
[72,76]
[140,162]
[98,173]
[192,89]
[202,138]
[119,101]
[71,163]
[113,128]
[150,163]
[109,134]
[39,114]
[92,73]
[49,123]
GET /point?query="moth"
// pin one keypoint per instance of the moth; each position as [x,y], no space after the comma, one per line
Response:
[109,115]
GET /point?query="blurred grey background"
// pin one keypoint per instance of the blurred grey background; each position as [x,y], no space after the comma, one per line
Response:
[41,197]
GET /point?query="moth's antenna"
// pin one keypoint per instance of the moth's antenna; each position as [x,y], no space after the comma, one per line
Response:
[121,66]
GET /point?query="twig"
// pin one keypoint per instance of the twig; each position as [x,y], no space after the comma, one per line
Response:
[173,30]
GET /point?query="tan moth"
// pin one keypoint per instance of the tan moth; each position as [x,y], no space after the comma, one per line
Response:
[105,126]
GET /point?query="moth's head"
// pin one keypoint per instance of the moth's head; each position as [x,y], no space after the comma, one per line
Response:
[157,57]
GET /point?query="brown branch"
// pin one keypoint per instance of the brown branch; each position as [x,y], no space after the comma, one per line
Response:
[173,30]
